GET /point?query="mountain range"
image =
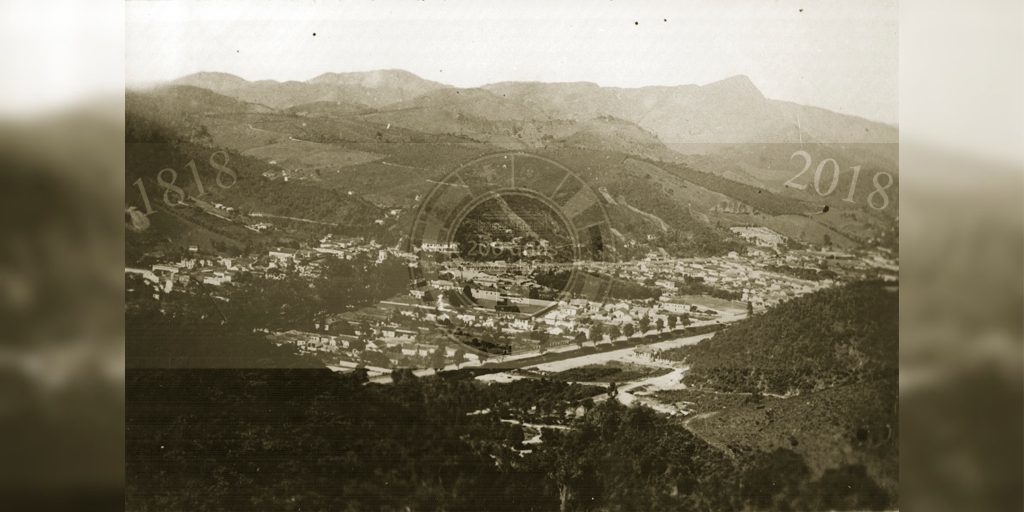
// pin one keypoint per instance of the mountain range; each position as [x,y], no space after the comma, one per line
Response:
[690,157]
[732,110]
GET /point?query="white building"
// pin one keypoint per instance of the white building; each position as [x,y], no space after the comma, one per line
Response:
[760,236]
[283,255]
[436,247]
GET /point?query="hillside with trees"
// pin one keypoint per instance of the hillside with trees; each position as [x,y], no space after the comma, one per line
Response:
[821,340]
[813,379]
[312,440]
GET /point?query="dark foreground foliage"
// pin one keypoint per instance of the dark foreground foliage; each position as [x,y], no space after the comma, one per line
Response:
[312,440]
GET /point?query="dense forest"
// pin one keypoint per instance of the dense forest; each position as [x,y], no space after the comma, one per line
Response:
[312,440]
[824,339]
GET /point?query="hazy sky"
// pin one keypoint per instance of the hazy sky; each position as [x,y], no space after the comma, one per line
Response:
[838,55]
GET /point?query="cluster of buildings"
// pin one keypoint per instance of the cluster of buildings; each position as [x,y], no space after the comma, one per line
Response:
[763,278]
[278,263]
[191,269]
[742,278]
[508,308]
[378,348]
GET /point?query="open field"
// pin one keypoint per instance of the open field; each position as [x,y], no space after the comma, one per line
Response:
[612,371]
[292,153]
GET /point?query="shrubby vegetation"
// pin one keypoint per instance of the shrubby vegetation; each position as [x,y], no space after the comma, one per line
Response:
[695,285]
[827,338]
[804,273]
[311,440]
[610,372]
[630,290]
[553,279]
[201,341]
[761,199]
[167,131]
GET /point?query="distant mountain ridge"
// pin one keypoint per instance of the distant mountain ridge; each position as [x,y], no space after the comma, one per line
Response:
[732,110]
[373,88]
[381,134]
[390,78]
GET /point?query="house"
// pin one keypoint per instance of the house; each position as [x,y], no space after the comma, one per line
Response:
[436,247]
[486,279]
[563,311]
[442,284]
[555,331]
[404,334]
[666,284]
[675,306]
[146,274]
[522,324]
[493,295]
[165,270]
[283,255]
[217,279]
[623,319]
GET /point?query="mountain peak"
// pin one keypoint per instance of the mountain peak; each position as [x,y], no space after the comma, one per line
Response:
[392,78]
[738,85]
[213,80]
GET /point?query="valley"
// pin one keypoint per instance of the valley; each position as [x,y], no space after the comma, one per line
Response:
[372,291]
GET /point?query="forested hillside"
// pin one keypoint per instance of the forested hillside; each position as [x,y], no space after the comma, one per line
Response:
[311,440]
[824,339]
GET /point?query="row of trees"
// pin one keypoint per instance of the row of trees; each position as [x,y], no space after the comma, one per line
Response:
[598,330]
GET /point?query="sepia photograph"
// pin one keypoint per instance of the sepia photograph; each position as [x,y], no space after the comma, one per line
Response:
[440,255]
[385,256]
[453,255]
